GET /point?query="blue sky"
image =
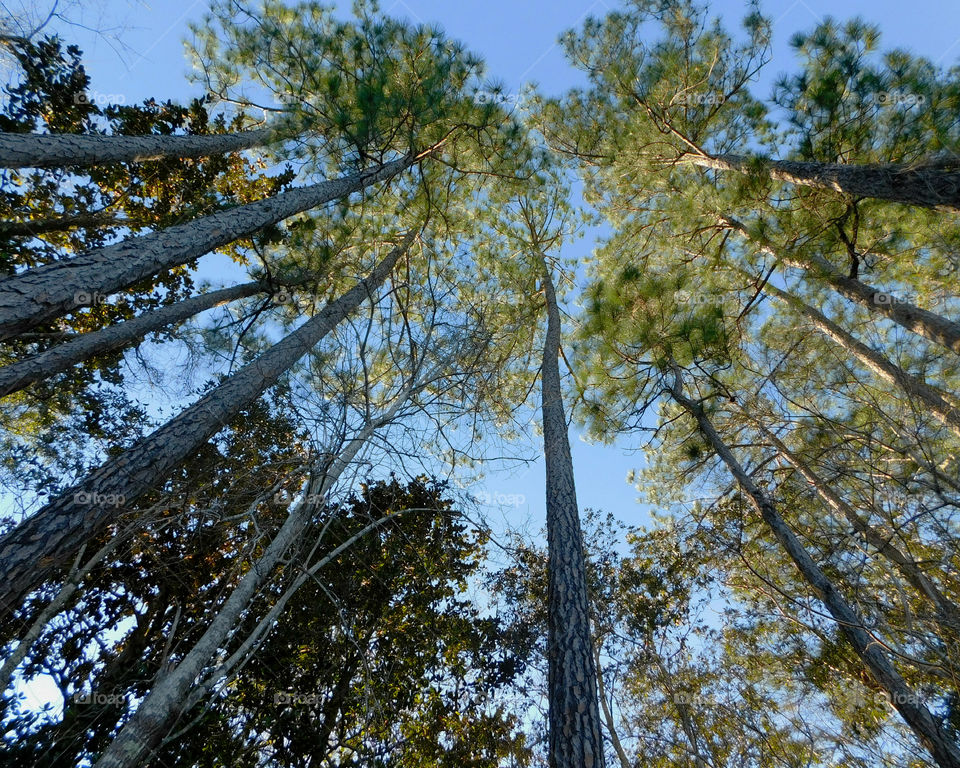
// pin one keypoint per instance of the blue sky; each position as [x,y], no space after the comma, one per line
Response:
[138,53]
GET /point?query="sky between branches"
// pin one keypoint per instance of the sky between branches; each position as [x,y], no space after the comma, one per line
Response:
[134,50]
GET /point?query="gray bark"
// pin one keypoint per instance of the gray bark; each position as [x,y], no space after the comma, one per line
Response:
[55,150]
[608,716]
[72,583]
[32,551]
[682,708]
[941,404]
[922,322]
[165,702]
[113,338]
[948,611]
[32,228]
[936,739]
[575,740]
[930,186]
[42,294]
[222,673]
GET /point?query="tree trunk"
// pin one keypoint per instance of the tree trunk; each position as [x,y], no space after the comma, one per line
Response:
[166,701]
[941,404]
[944,750]
[31,552]
[70,586]
[32,228]
[923,186]
[47,292]
[113,338]
[682,707]
[930,325]
[575,740]
[608,716]
[55,150]
[947,610]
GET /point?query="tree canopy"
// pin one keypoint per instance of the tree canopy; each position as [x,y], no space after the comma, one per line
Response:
[239,528]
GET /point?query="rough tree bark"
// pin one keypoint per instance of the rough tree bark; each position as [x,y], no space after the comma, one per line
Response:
[924,323]
[113,338]
[34,227]
[33,550]
[166,700]
[47,292]
[929,186]
[943,749]
[55,150]
[575,740]
[948,611]
[941,404]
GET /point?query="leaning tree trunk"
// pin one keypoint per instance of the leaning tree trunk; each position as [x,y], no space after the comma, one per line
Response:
[608,716]
[941,404]
[47,292]
[31,552]
[575,740]
[923,186]
[114,338]
[26,642]
[55,150]
[936,739]
[167,699]
[948,612]
[922,322]
[34,227]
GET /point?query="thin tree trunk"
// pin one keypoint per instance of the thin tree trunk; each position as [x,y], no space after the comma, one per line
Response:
[32,228]
[166,701]
[948,611]
[113,338]
[941,404]
[575,740]
[608,715]
[55,150]
[944,750]
[682,708]
[923,186]
[42,294]
[70,586]
[31,552]
[922,322]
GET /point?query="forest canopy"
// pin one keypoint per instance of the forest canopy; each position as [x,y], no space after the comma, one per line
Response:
[266,353]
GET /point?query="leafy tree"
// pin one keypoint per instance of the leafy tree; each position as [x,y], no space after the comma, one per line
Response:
[380,661]
[678,290]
